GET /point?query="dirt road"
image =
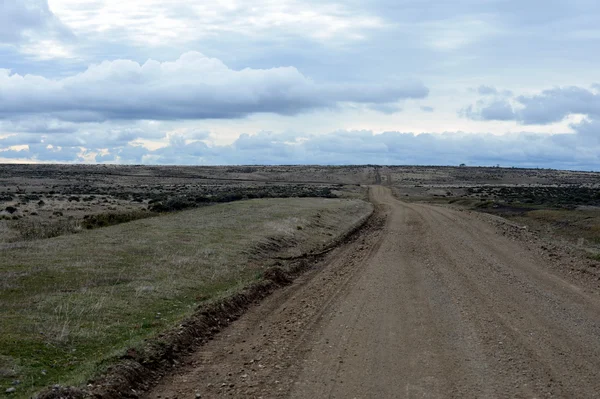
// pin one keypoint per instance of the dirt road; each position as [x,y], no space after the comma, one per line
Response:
[435,304]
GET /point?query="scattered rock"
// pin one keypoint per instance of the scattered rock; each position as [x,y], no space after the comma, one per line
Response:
[11,390]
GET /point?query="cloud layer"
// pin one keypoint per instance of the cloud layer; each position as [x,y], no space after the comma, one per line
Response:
[564,151]
[153,22]
[61,139]
[23,20]
[548,106]
[179,82]
[192,87]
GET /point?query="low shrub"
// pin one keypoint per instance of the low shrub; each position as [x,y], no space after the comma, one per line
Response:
[112,218]
[31,229]
[172,204]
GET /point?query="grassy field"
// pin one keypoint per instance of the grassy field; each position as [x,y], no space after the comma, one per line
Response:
[70,304]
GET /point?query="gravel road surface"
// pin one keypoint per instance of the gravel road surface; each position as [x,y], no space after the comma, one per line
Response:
[430,303]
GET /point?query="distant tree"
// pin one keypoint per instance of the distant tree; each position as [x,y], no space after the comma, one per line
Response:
[462,165]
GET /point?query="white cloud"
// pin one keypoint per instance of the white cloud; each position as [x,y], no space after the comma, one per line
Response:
[556,104]
[48,49]
[153,22]
[27,21]
[192,87]
[546,107]
[454,33]
[295,65]
[496,110]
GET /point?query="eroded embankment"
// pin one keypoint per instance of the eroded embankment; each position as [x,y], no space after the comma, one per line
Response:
[138,370]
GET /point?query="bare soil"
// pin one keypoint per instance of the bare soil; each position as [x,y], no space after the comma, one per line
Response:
[437,303]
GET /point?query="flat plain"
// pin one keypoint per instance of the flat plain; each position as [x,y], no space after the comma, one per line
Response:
[465,281]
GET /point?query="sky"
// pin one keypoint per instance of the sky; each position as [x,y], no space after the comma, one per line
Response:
[430,82]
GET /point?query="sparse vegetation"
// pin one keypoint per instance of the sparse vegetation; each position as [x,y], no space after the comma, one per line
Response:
[71,303]
[113,218]
[569,213]
[557,197]
[119,194]
[595,257]
[169,203]
[36,229]
[74,303]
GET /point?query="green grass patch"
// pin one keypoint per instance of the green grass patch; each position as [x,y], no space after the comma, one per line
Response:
[72,304]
